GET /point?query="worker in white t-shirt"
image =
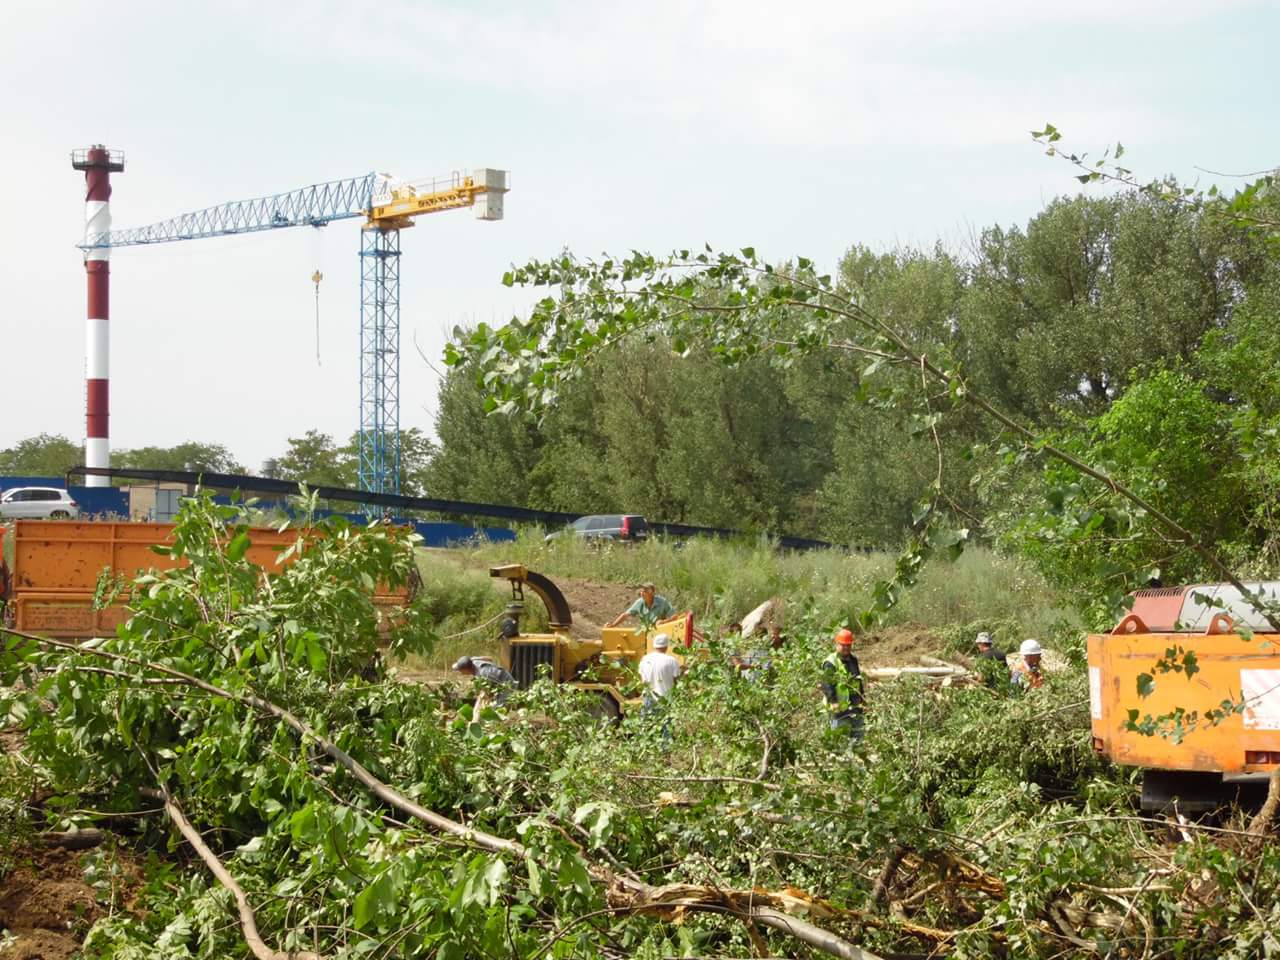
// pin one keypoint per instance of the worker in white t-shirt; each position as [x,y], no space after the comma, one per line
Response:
[658,670]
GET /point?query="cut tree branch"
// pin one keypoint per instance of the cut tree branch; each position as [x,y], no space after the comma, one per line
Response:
[248,925]
[642,896]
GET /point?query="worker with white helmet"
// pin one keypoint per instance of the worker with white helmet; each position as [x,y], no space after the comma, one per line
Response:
[659,670]
[1026,674]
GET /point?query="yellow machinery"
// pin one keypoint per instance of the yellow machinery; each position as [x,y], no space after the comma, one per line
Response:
[1209,761]
[605,666]
[397,202]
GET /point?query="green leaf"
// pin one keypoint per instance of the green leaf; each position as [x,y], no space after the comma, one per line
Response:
[1146,685]
[316,658]
[237,547]
[374,900]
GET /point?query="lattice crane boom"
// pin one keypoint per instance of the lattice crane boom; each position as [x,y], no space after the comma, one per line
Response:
[313,206]
[388,205]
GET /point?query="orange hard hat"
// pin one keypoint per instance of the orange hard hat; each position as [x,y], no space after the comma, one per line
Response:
[844,637]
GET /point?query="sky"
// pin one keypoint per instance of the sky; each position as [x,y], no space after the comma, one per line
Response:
[800,129]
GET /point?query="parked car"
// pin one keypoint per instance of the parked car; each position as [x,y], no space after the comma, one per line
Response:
[38,503]
[607,526]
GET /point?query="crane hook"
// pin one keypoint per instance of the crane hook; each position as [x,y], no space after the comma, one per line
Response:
[316,278]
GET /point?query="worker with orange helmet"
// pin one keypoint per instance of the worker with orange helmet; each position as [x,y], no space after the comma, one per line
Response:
[842,687]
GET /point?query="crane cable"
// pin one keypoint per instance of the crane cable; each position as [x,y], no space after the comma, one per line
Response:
[316,278]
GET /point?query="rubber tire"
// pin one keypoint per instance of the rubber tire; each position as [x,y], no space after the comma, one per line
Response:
[59,515]
[607,708]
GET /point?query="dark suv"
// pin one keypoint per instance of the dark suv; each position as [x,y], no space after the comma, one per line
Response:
[607,526]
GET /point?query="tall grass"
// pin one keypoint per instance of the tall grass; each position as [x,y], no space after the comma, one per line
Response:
[723,580]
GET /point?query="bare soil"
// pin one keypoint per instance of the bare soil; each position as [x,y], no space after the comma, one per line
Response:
[46,904]
[897,646]
[593,603]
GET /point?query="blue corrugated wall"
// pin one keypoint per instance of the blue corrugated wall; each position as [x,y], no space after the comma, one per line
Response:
[108,503]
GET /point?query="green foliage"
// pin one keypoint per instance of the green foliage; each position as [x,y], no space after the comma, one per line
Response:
[46,455]
[316,460]
[199,457]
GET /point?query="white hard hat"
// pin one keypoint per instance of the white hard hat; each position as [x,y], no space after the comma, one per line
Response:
[983,637]
[1030,648]
[661,641]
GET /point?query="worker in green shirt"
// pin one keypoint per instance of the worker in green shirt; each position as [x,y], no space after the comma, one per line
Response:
[649,608]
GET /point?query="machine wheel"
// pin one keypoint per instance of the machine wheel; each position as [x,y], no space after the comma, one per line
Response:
[606,708]
[59,515]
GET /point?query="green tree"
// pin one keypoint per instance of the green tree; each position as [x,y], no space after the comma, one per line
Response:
[1059,316]
[481,458]
[200,457]
[45,455]
[314,459]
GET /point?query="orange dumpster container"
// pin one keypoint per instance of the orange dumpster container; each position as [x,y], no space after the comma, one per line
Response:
[1244,746]
[54,568]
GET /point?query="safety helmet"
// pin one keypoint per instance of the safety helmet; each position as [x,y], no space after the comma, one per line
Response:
[1030,648]
[983,638]
[844,637]
[463,663]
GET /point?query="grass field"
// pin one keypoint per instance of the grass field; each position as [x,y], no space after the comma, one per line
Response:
[723,580]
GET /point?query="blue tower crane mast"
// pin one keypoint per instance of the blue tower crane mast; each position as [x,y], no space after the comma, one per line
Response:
[388,205]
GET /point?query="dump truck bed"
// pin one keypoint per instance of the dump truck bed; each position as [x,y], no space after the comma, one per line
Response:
[53,569]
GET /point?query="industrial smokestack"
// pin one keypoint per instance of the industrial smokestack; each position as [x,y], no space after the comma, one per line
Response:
[98,163]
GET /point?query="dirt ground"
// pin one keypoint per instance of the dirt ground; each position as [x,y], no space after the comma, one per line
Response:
[897,646]
[594,604]
[46,904]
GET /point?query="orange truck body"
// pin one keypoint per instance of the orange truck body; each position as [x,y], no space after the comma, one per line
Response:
[1202,619]
[48,584]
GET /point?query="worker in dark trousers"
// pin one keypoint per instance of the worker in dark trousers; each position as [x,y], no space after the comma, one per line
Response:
[990,661]
[842,688]
[493,680]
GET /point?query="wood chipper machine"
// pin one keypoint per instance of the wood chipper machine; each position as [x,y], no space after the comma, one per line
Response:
[604,666]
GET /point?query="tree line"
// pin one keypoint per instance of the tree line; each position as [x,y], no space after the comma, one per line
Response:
[1057,321]
[314,458]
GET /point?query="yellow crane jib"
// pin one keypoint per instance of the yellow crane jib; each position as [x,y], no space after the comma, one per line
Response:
[397,202]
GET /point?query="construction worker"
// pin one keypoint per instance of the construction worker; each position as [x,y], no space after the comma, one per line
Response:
[987,650]
[991,665]
[758,662]
[659,670]
[1026,674]
[490,674]
[649,608]
[842,687]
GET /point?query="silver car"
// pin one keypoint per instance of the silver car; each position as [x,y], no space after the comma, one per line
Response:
[38,503]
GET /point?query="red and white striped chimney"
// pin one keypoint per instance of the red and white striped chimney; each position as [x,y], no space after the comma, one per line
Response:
[98,163]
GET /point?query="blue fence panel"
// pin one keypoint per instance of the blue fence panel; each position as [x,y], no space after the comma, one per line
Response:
[101,502]
[434,533]
[8,483]
[440,533]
